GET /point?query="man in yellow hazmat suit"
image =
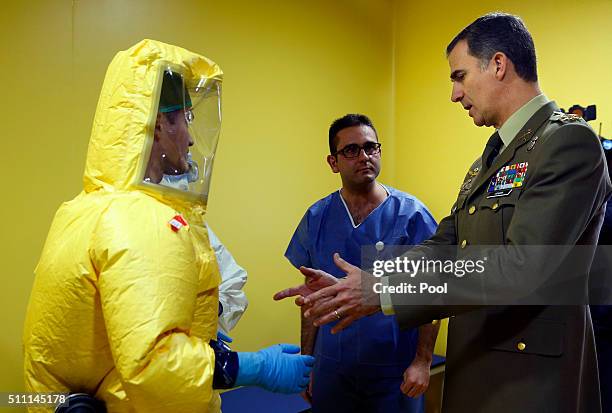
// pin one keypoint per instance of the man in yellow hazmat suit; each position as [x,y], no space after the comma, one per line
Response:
[125,299]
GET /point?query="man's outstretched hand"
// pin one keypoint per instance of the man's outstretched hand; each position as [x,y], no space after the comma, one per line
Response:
[314,281]
[344,300]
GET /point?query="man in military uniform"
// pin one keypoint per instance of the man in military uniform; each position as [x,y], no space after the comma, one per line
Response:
[541,181]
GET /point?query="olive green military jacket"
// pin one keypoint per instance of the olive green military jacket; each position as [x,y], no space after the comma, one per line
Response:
[523,358]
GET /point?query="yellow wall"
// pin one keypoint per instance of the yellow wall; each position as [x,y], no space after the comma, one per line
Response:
[435,141]
[291,67]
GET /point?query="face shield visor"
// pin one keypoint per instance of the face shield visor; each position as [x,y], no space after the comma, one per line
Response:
[186,134]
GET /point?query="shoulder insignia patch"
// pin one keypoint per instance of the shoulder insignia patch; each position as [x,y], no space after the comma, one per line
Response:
[564,117]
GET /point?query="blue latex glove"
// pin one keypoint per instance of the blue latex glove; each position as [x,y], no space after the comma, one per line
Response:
[277,368]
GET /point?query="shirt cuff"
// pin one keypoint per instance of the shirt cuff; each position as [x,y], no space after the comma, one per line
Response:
[385,298]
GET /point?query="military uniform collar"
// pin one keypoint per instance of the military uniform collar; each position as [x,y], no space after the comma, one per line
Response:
[518,119]
[524,135]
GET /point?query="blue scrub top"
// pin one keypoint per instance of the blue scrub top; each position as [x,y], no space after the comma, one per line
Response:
[373,345]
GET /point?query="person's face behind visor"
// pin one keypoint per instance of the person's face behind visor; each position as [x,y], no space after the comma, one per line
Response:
[186,134]
[173,140]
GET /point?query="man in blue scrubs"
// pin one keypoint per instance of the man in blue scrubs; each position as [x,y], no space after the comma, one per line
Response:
[371,366]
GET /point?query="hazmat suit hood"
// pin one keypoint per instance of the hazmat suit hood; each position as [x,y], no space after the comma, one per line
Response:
[124,122]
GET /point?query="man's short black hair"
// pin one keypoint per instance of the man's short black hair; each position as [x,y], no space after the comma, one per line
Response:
[174,95]
[346,121]
[500,32]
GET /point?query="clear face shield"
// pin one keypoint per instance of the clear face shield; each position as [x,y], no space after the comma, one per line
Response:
[186,134]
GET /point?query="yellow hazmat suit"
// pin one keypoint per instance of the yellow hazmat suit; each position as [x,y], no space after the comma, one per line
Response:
[123,306]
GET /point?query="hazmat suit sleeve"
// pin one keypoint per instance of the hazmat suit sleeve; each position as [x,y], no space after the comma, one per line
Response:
[233,278]
[149,289]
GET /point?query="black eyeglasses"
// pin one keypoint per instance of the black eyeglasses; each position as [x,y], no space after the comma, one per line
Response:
[353,150]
